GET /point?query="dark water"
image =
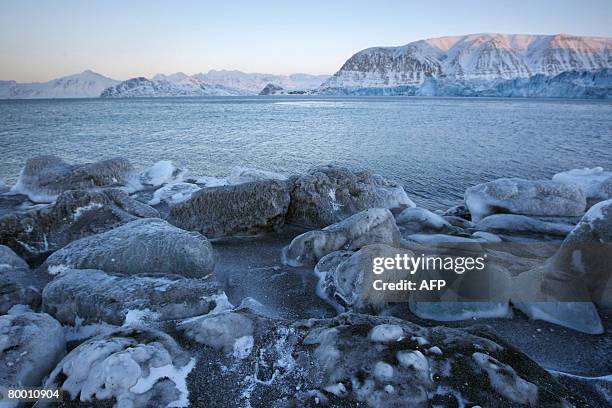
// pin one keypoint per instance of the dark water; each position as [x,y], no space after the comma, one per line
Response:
[435,147]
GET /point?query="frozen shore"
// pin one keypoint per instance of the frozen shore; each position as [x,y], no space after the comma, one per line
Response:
[160,288]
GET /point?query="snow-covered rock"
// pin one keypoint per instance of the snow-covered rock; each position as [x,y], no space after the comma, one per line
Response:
[131,367]
[462,64]
[173,193]
[521,224]
[416,219]
[335,362]
[239,175]
[234,210]
[596,183]
[526,197]
[44,177]
[328,194]
[30,346]
[227,331]
[149,245]
[373,226]
[92,296]
[18,284]
[74,215]
[86,84]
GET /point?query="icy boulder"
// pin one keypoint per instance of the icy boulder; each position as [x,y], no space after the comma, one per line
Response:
[228,331]
[149,245]
[174,193]
[360,360]
[596,183]
[44,177]
[526,197]
[328,194]
[346,278]
[31,344]
[234,210]
[18,284]
[373,226]
[92,296]
[416,219]
[563,290]
[131,367]
[585,257]
[239,175]
[74,215]
[521,224]
[529,296]
[162,172]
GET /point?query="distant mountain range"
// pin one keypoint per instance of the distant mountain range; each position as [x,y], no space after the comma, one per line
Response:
[89,84]
[477,64]
[471,65]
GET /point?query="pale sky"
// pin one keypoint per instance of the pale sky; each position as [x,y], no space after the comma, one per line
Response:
[42,40]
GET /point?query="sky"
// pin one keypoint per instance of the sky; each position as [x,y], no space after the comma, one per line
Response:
[41,40]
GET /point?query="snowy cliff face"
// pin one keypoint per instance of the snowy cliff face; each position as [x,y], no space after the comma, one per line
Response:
[476,57]
[167,86]
[87,84]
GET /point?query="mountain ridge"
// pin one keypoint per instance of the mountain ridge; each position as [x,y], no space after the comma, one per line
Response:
[483,56]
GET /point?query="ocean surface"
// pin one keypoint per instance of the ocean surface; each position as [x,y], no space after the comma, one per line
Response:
[434,147]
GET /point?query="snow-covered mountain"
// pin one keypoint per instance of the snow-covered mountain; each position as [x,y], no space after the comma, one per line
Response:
[475,57]
[163,86]
[87,84]
[254,82]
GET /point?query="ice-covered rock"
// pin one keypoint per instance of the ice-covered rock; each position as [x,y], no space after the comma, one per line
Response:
[486,236]
[44,177]
[526,197]
[131,367]
[18,284]
[328,194]
[75,214]
[522,224]
[346,279]
[585,256]
[234,210]
[92,296]
[239,175]
[10,260]
[31,344]
[228,331]
[458,221]
[174,193]
[563,290]
[373,226]
[149,245]
[336,362]
[416,219]
[162,172]
[529,297]
[477,293]
[596,183]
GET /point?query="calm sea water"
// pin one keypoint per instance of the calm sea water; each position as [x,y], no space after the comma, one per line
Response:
[435,147]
